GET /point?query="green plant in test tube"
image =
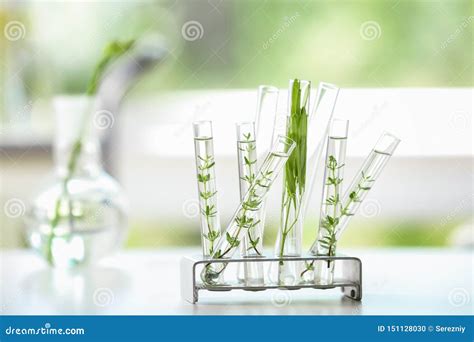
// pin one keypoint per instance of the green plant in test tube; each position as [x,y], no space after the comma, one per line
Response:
[248,211]
[289,237]
[252,242]
[363,182]
[331,203]
[207,188]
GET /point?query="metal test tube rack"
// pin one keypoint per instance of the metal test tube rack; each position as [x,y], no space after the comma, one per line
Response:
[349,279]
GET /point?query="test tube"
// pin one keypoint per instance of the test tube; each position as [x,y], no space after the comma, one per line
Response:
[252,241]
[248,211]
[207,189]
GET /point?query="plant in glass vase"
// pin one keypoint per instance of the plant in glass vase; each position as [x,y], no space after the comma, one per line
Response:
[81,215]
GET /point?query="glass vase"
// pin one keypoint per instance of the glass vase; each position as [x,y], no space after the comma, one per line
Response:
[248,211]
[289,237]
[207,188]
[80,215]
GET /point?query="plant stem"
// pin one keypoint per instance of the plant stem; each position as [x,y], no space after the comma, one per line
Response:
[250,177]
[208,221]
[329,223]
[241,220]
[363,185]
[112,52]
[204,177]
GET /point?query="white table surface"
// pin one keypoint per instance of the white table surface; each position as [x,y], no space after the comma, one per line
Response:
[395,282]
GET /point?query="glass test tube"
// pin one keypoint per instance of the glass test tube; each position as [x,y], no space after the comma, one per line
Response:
[331,203]
[265,116]
[207,189]
[289,237]
[366,177]
[246,215]
[318,128]
[356,193]
[290,233]
[252,241]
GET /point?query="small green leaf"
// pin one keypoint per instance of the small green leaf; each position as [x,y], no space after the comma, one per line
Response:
[205,195]
[203,178]
[217,254]
[353,196]
[112,52]
[233,241]
[213,235]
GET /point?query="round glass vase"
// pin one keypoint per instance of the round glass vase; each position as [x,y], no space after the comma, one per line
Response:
[80,215]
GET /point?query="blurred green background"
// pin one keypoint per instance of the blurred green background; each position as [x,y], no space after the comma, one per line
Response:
[240,44]
[353,43]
